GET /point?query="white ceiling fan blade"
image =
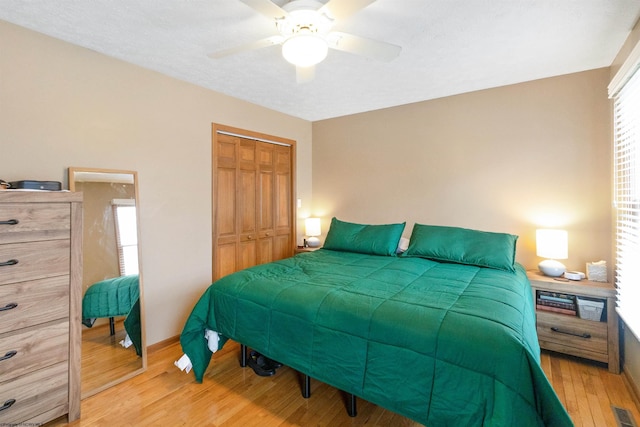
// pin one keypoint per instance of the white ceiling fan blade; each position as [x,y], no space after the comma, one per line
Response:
[258,44]
[305,74]
[362,46]
[342,9]
[267,8]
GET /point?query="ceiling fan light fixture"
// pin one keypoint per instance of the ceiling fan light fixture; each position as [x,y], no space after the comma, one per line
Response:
[305,50]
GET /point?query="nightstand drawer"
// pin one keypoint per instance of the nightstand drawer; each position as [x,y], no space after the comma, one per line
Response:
[28,222]
[30,303]
[34,260]
[33,349]
[572,332]
[34,394]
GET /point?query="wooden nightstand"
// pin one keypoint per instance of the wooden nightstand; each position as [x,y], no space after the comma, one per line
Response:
[301,249]
[571,334]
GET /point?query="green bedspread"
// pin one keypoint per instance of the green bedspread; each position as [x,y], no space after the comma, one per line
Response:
[118,296]
[443,344]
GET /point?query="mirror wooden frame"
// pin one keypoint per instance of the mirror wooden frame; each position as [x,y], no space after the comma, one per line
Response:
[102,175]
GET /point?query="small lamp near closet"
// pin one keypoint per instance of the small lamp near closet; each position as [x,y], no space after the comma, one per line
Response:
[312,231]
[552,245]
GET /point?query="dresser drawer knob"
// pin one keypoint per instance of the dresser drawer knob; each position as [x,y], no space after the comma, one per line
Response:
[560,331]
[9,306]
[7,404]
[9,222]
[8,355]
[10,262]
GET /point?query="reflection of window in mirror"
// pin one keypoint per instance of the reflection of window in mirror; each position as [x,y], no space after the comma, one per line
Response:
[124,212]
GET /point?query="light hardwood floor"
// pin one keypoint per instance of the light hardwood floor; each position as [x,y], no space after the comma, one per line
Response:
[103,358]
[232,396]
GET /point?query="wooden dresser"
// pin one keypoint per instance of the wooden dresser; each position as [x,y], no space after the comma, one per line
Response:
[40,306]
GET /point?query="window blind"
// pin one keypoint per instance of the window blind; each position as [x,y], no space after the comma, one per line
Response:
[126,237]
[627,200]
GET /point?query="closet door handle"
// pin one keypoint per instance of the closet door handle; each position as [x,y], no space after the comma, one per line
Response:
[7,404]
[10,262]
[560,331]
[9,222]
[9,306]
[9,355]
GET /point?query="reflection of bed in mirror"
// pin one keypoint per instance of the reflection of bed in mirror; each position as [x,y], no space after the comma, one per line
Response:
[113,347]
[111,298]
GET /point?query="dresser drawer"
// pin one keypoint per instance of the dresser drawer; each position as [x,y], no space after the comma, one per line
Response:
[572,332]
[33,394]
[35,260]
[27,222]
[33,302]
[33,349]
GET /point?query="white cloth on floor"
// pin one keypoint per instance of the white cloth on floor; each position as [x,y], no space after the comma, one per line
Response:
[213,338]
[126,342]
[184,363]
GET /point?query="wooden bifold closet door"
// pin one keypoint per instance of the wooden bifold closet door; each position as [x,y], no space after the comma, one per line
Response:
[253,180]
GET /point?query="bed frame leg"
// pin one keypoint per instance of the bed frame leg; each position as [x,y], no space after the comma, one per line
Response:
[243,355]
[306,387]
[351,405]
[112,326]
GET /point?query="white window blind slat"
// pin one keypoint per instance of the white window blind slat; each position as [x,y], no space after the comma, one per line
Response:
[627,200]
[126,237]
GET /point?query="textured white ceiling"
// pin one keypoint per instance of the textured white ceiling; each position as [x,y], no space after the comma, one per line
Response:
[448,46]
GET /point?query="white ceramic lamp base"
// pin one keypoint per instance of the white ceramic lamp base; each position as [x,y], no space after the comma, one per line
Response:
[552,268]
[313,242]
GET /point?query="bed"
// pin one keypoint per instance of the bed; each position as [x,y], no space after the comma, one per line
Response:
[439,334]
[114,297]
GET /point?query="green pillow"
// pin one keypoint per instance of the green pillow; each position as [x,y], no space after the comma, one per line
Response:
[363,238]
[463,246]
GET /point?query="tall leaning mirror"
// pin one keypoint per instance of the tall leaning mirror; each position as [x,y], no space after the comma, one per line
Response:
[113,338]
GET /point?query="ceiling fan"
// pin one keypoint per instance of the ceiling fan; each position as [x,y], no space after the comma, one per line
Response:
[305,33]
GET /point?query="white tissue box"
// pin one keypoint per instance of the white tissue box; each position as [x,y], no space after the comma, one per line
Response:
[597,271]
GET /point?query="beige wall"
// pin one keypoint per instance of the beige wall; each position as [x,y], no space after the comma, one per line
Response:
[510,159]
[62,105]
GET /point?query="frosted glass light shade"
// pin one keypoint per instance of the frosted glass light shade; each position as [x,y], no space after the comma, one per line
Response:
[553,245]
[305,50]
[312,227]
[312,230]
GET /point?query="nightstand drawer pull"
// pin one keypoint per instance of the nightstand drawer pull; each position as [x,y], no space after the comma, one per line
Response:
[560,331]
[9,222]
[9,306]
[10,262]
[7,404]
[9,355]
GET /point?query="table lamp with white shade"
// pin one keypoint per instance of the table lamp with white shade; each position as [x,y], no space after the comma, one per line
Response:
[312,231]
[552,245]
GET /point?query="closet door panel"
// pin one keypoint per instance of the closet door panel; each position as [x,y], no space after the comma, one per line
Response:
[247,202]
[265,206]
[226,203]
[247,255]
[282,246]
[265,251]
[225,259]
